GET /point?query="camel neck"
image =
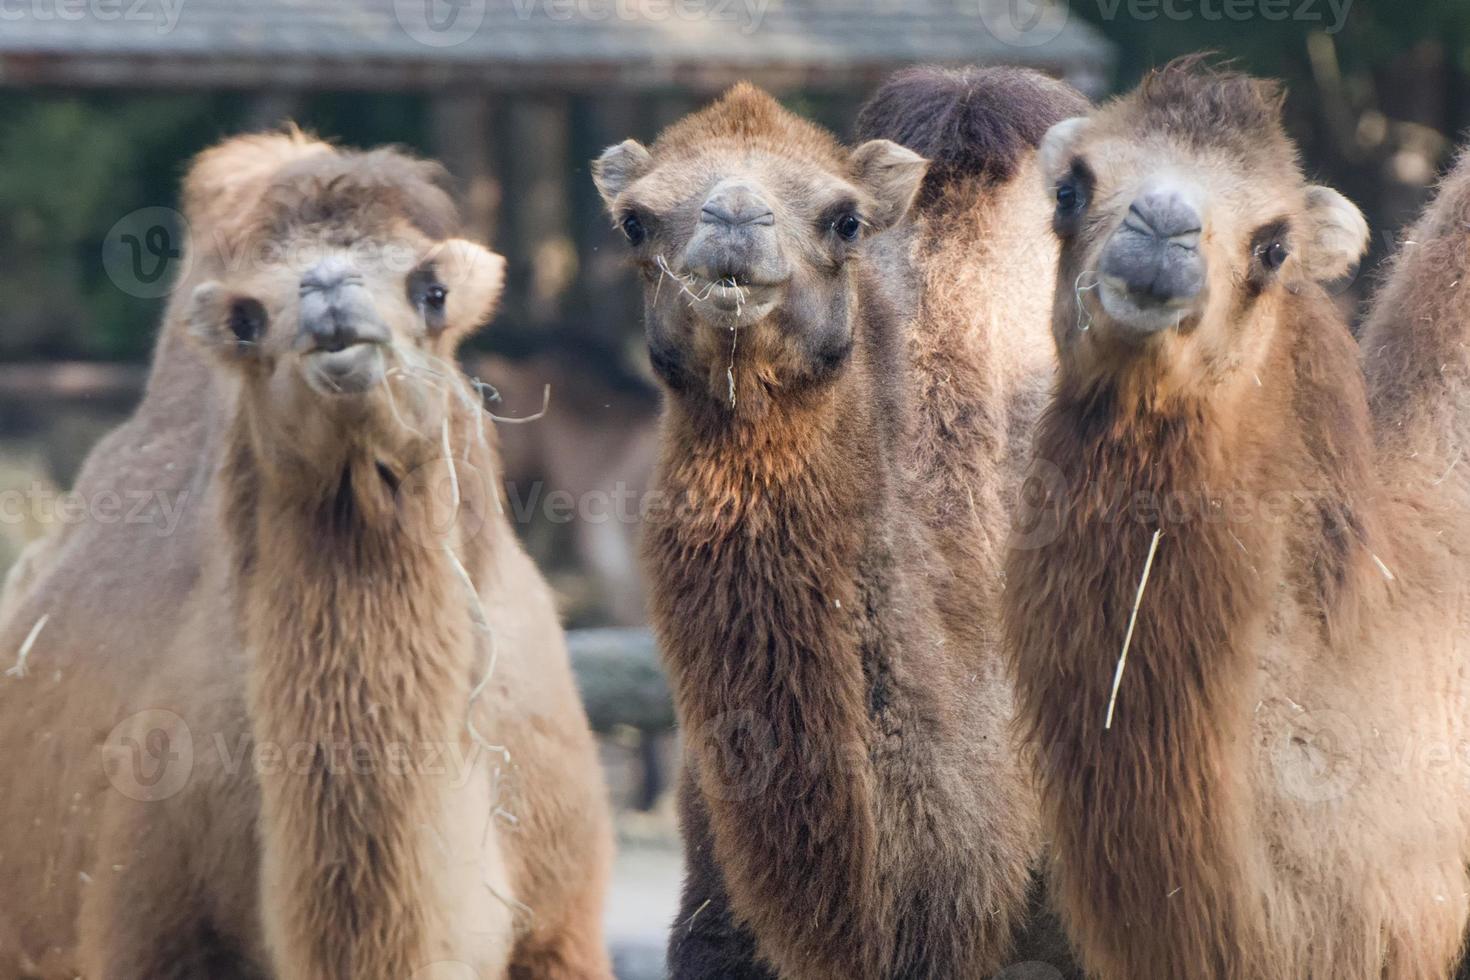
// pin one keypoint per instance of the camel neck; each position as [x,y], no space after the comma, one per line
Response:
[361,651]
[1265,497]
[1163,783]
[773,596]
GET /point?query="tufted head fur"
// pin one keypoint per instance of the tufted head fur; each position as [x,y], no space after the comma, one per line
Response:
[747,223]
[969,123]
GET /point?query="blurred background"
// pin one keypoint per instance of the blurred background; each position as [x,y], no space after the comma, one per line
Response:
[104,102]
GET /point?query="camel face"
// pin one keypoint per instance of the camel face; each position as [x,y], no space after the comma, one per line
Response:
[341,290]
[743,220]
[1183,214]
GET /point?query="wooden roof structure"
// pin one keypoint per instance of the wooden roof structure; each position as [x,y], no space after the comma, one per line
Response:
[563,45]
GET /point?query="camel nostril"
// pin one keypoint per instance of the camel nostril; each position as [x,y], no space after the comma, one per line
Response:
[1168,215]
[736,203]
[716,214]
[337,318]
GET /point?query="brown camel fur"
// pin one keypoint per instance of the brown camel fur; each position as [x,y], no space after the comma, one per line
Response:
[347,741]
[1279,794]
[836,445]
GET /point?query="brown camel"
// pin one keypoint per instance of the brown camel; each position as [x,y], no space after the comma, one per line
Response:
[825,561]
[1268,784]
[326,729]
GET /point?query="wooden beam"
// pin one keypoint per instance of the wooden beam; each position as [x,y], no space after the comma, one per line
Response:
[461,126]
[72,381]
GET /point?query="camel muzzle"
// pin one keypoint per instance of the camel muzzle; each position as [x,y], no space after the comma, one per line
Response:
[1152,266]
[337,310]
[736,241]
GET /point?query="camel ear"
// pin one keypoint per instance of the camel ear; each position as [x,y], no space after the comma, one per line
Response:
[226,325]
[617,168]
[475,278]
[1057,146]
[891,174]
[1335,235]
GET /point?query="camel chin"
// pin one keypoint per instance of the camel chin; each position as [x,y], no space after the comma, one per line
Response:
[353,371]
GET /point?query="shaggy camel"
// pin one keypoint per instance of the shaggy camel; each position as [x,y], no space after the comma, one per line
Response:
[824,570]
[345,742]
[1264,782]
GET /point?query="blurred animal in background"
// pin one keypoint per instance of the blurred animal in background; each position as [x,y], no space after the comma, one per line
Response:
[577,478]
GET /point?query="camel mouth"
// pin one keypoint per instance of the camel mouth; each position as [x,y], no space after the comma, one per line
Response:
[733,299]
[1143,318]
[346,371]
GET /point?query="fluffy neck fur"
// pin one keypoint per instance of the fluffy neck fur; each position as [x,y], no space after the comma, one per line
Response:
[792,598]
[361,648]
[1158,859]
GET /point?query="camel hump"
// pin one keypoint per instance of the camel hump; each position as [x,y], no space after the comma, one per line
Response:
[226,175]
[236,187]
[971,123]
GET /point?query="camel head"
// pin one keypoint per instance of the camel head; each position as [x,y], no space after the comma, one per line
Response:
[744,221]
[330,284]
[1184,218]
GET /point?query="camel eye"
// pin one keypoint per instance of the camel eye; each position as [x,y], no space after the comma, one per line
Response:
[247,321]
[848,227]
[1069,198]
[633,229]
[1273,255]
[430,295]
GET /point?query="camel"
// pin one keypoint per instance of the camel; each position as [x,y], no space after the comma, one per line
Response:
[327,728]
[1239,623]
[842,389]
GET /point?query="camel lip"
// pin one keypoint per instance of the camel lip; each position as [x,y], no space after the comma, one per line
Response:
[741,303]
[350,370]
[1139,321]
